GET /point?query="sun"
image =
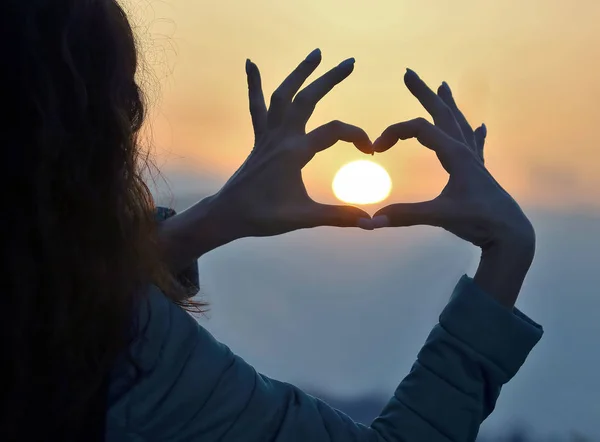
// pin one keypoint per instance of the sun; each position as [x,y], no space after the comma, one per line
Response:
[362,182]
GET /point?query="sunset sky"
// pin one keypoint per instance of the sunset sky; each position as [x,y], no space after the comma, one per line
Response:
[529,70]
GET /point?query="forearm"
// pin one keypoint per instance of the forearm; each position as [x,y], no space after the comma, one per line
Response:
[190,234]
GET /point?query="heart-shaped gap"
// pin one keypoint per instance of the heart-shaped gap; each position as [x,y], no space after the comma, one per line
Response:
[415,173]
[362,182]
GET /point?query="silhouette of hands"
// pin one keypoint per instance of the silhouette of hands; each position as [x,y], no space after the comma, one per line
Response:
[267,196]
[472,205]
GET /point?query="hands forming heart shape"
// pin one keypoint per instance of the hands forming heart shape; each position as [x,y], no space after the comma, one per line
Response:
[267,196]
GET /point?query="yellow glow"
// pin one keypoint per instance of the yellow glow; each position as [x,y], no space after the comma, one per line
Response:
[362,182]
[200,94]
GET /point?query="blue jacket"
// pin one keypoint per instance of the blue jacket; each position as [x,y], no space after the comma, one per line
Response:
[193,388]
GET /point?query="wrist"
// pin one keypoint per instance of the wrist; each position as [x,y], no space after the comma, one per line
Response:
[503,268]
[192,233]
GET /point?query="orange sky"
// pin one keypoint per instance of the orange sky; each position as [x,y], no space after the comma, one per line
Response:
[529,69]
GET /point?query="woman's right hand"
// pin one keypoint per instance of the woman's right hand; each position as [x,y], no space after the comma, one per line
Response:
[472,205]
[266,196]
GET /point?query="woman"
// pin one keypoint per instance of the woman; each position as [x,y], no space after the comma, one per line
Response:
[95,339]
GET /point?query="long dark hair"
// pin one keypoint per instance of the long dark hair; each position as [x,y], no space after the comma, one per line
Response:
[79,240]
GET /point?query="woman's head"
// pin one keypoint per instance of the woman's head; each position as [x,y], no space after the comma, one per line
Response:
[77,216]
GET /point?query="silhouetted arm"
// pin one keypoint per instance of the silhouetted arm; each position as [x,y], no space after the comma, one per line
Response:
[188,235]
[195,388]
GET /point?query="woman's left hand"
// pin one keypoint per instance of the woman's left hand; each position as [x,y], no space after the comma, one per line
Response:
[472,205]
[267,196]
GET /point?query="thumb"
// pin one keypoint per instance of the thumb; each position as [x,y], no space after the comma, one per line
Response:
[408,214]
[338,216]
[480,134]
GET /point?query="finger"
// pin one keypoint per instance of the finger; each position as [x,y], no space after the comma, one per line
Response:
[447,149]
[408,214]
[443,117]
[283,95]
[338,216]
[258,107]
[305,102]
[445,93]
[480,134]
[327,135]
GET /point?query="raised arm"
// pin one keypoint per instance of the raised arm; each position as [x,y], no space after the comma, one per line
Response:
[193,388]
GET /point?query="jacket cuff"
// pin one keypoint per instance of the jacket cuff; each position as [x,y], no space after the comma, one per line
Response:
[503,336]
[189,278]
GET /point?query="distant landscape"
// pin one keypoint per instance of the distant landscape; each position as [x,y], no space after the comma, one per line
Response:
[365,409]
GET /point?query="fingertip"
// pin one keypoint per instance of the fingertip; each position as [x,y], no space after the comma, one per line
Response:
[378,148]
[444,90]
[380,144]
[358,137]
[367,148]
[380,221]
[365,223]
[481,132]
[344,70]
[412,81]
[377,145]
[347,64]
[364,147]
[314,56]
[252,69]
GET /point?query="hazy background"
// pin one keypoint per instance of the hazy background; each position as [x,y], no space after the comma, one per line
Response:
[344,312]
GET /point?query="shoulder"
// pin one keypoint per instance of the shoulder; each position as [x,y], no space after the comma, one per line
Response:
[179,361]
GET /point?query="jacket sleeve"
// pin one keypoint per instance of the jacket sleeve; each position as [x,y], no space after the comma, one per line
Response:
[195,388]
